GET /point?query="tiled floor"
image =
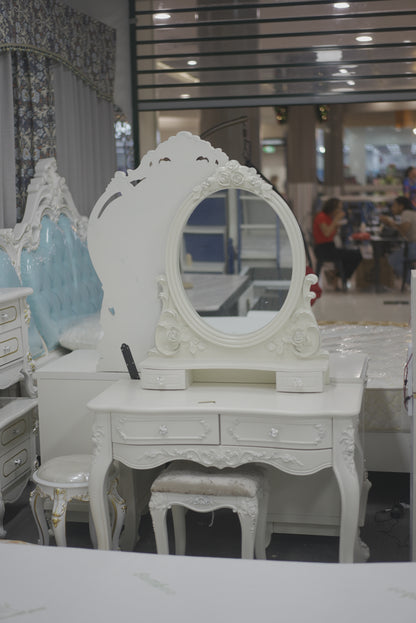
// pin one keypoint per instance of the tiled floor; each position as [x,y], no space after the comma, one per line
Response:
[387,537]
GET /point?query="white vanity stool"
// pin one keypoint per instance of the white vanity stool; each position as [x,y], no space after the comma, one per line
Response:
[65,478]
[185,485]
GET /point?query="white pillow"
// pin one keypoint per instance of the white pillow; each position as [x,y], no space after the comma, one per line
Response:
[84,334]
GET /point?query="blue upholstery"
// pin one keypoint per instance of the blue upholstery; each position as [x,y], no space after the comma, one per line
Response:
[10,279]
[65,284]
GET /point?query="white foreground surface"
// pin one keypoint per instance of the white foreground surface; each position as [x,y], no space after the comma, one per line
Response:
[45,584]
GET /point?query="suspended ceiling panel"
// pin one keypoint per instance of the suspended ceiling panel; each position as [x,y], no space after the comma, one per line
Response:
[208,53]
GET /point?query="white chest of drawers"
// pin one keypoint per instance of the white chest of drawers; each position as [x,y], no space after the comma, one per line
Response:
[18,416]
[15,364]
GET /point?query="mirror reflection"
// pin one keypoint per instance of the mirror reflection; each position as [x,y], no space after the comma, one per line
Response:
[236,261]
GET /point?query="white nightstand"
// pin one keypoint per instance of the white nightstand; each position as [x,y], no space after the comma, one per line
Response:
[18,416]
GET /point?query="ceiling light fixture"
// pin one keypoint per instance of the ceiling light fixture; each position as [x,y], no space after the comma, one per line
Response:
[341,5]
[185,96]
[364,38]
[351,83]
[192,62]
[343,71]
[161,16]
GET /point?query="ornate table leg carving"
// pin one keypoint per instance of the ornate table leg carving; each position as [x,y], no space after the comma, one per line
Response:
[98,480]
[349,485]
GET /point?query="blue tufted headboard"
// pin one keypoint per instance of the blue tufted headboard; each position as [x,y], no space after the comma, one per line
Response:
[48,252]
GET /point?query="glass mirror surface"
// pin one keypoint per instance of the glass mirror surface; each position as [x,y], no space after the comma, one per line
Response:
[235,261]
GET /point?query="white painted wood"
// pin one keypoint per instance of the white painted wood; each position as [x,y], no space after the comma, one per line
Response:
[325,437]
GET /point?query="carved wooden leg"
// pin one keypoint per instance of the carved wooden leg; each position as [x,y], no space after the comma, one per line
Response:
[179,527]
[37,504]
[118,512]
[248,514]
[98,480]
[59,517]
[349,485]
[261,530]
[158,513]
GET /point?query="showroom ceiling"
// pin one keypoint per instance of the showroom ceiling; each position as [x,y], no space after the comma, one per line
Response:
[208,53]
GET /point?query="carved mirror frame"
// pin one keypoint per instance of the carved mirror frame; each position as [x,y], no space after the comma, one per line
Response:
[184,341]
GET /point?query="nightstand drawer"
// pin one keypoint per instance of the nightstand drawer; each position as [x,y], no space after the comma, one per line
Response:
[10,346]
[9,317]
[14,432]
[276,432]
[181,429]
[15,463]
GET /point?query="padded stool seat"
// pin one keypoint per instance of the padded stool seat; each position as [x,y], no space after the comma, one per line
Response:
[185,485]
[63,479]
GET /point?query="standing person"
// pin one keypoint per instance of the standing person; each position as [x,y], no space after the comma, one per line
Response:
[409,185]
[406,226]
[326,225]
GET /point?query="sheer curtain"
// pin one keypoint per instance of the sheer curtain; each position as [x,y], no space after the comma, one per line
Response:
[85,144]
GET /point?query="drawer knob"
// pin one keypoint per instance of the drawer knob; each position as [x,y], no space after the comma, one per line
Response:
[160,380]
[6,349]
[5,316]
[297,382]
[163,430]
[274,432]
[18,462]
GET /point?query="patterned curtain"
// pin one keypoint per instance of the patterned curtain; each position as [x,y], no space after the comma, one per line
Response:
[34,118]
[39,34]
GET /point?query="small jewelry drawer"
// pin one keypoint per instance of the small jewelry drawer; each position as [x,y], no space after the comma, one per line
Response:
[9,316]
[15,431]
[10,346]
[151,430]
[15,463]
[276,432]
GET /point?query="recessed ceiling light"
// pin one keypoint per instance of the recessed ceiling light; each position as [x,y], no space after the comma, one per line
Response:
[343,71]
[364,38]
[185,96]
[161,16]
[414,130]
[341,5]
[192,62]
[351,82]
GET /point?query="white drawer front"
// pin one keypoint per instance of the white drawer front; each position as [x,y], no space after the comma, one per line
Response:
[15,463]
[181,429]
[276,432]
[14,432]
[10,346]
[9,317]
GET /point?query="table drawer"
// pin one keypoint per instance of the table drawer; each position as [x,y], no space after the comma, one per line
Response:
[9,317]
[181,429]
[15,463]
[14,432]
[283,432]
[10,346]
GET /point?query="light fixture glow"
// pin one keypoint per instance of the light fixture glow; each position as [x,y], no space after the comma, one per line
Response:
[192,62]
[341,5]
[414,130]
[343,71]
[351,82]
[185,96]
[364,38]
[161,16]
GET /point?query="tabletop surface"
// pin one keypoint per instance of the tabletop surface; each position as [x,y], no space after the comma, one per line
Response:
[47,584]
[338,399]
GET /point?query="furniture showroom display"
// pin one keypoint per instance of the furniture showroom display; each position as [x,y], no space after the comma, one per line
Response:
[18,416]
[220,394]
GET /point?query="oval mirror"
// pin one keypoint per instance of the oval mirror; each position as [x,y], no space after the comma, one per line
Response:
[235,261]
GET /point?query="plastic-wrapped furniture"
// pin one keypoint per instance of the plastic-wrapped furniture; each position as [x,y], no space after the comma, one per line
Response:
[184,485]
[61,480]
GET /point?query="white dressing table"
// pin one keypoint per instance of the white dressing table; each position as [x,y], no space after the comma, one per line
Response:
[226,426]
[218,391]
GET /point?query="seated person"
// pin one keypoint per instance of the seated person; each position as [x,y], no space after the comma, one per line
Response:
[406,226]
[326,225]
